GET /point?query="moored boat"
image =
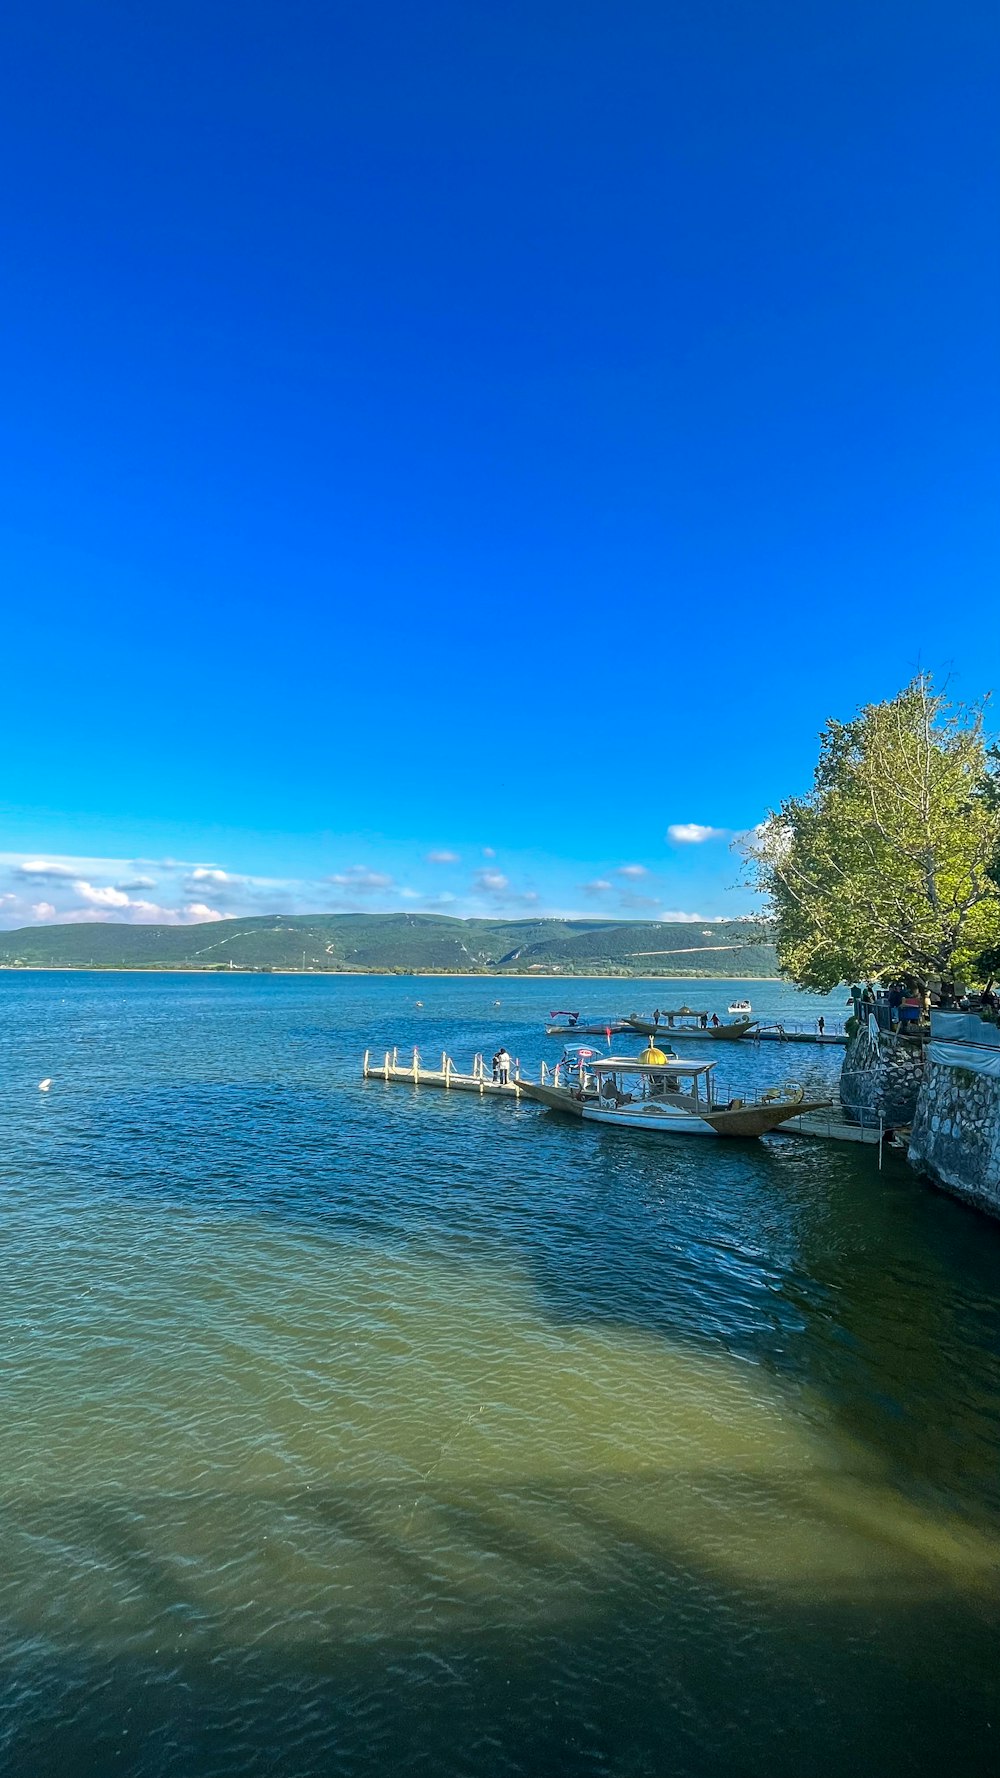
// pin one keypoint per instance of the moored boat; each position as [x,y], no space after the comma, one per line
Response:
[685,1023]
[741,1007]
[585,1025]
[666,1095]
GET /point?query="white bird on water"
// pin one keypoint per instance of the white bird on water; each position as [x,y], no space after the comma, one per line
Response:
[44,1085]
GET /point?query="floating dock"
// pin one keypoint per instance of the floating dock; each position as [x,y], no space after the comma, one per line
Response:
[765,1034]
[832,1125]
[415,1073]
[828,1124]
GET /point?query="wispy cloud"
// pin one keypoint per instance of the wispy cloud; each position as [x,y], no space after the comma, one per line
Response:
[40,867]
[489,852]
[693,833]
[360,880]
[600,886]
[632,870]
[491,882]
[443,857]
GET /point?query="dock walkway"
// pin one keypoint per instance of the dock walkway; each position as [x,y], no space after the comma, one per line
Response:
[415,1073]
[832,1125]
[829,1125]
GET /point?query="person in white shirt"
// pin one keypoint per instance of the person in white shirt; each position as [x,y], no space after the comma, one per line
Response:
[503,1067]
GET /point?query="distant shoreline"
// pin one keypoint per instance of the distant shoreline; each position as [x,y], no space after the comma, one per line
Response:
[340,975]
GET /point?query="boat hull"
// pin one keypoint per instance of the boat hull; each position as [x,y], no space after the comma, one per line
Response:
[719,1033]
[616,1027]
[745,1121]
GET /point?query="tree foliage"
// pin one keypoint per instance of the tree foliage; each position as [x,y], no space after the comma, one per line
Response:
[888,865]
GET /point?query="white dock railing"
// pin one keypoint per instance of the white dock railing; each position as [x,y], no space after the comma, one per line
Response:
[414,1068]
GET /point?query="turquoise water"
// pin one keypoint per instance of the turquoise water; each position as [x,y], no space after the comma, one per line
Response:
[352,1429]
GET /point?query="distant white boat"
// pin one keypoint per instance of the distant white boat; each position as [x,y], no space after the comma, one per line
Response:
[742,1007]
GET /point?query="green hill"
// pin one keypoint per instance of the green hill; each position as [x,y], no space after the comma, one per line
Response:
[401,942]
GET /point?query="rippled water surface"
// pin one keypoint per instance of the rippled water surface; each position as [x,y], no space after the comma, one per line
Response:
[350,1428]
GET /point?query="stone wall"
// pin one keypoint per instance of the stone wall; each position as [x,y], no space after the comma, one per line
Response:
[881,1082]
[956,1133]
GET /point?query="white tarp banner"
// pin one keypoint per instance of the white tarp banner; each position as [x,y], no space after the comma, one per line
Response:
[964,1027]
[976,1059]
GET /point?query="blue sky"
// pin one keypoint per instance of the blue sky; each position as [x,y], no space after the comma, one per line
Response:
[497,431]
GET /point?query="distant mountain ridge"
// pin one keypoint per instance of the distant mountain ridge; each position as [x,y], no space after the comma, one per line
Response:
[404,942]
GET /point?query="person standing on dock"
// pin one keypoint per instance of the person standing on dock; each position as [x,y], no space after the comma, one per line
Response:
[821,1023]
[496,1064]
[503,1066]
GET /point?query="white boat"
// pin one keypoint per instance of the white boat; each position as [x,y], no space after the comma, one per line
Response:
[664,1094]
[741,1007]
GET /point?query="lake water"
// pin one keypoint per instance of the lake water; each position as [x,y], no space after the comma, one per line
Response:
[353,1429]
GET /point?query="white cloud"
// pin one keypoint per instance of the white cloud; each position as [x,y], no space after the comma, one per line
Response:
[410,894]
[491,882]
[98,897]
[444,857]
[692,833]
[489,852]
[197,910]
[138,883]
[42,910]
[360,879]
[203,873]
[39,867]
[632,870]
[600,886]
[682,918]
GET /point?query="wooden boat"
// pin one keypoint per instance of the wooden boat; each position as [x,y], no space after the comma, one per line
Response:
[667,1096]
[579,1024]
[690,1026]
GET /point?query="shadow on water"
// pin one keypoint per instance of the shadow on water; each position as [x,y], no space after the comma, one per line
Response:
[189,1204]
[865,1287]
[529,1628]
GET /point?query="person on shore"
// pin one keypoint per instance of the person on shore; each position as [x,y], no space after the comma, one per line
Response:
[503,1067]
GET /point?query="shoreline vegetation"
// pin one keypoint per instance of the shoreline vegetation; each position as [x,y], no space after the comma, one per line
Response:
[422,975]
[406,944]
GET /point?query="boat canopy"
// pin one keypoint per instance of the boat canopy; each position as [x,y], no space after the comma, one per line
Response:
[632,1065]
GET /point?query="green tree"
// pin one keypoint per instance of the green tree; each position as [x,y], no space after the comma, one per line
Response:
[886,866]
